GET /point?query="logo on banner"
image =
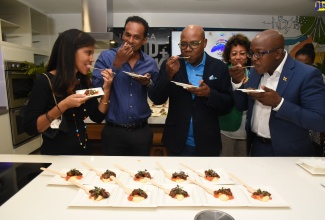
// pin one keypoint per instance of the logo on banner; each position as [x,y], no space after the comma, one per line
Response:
[320,6]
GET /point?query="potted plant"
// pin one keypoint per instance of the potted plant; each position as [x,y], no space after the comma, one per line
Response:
[32,68]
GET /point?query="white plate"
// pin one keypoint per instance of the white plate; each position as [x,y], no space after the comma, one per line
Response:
[134,75]
[165,180]
[251,90]
[193,200]
[224,177]
[93,178]
[276,201]
[99,89]
[82,198]
[57,180]
[238,200]
[121,199]
[312,170]
[184,85]
[127,179]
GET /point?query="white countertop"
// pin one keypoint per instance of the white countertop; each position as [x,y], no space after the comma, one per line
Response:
[40,201]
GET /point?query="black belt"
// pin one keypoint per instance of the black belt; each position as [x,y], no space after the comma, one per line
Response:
[263,139]
[128,126]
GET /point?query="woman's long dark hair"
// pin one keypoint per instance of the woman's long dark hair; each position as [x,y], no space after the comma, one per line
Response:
[62,60]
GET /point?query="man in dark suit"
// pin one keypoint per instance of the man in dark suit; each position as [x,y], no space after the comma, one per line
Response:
[279,119]
[192,125]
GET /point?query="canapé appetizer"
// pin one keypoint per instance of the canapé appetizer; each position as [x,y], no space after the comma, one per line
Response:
[90,92]
[179,177]
[211,175]
[142,176]
[105,177]
[178,193]
[224,194]
[73,173]
[98,194]
[263,196]
[137,195]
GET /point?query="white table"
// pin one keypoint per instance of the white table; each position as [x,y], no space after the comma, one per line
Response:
[40,201]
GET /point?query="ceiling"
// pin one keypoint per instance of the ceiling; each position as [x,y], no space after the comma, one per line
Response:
[248,7]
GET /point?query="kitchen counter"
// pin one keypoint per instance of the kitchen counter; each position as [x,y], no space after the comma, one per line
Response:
[39,200]
[3,110]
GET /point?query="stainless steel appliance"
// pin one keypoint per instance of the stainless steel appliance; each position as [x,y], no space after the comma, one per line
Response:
[19,86]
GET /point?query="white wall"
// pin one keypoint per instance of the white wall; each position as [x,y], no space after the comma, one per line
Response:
[66,21]
[289,26]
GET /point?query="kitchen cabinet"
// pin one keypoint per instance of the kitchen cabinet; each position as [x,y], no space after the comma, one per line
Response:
[26,28]
[5,135]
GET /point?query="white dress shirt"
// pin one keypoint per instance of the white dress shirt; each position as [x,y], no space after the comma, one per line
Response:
[261,113]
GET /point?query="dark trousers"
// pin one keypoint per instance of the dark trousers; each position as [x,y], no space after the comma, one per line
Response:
[261,148]
[126,142]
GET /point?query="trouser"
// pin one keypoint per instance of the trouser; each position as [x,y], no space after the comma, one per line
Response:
[118,141]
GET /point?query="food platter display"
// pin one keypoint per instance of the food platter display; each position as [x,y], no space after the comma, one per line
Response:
[158,110]
[195,186]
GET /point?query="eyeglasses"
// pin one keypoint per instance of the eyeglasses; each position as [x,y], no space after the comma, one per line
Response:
[192,44]
[258,55]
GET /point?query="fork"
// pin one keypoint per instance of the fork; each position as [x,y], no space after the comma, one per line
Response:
[249,188]
[126,189]
[167,191]
[95,68]
[210,191]
[195,171]
[125,170]
[54,171]
[168,175]
[79,185]
[98,173]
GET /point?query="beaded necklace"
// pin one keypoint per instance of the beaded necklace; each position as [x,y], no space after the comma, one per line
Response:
[83,144]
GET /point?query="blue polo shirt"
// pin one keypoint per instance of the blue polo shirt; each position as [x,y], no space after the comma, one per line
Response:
[194,75]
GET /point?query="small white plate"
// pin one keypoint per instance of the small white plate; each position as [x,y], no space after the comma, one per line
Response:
[134,75]
[121,199]
[165,180]
[57,180]
[184,85]
[127,179]
[98,89]
[276,201]
[194,198]
[93,178]
[251,90]
[312,170]
[82,198]
[238,200]
[224,178]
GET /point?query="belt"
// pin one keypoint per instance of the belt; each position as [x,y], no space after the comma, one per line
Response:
[128,126]
[263,139]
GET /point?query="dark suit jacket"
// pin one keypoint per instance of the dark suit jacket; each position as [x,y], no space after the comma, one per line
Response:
[303,108]
[204,111]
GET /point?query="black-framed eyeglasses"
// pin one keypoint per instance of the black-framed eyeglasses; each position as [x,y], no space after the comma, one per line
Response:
[192,44]
[258,55]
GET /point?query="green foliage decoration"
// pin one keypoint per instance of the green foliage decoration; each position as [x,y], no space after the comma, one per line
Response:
[33,68]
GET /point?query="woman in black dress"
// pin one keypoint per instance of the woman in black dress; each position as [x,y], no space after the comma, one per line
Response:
[68,67]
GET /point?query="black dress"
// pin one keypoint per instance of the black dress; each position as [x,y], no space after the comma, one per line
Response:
[72,142]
